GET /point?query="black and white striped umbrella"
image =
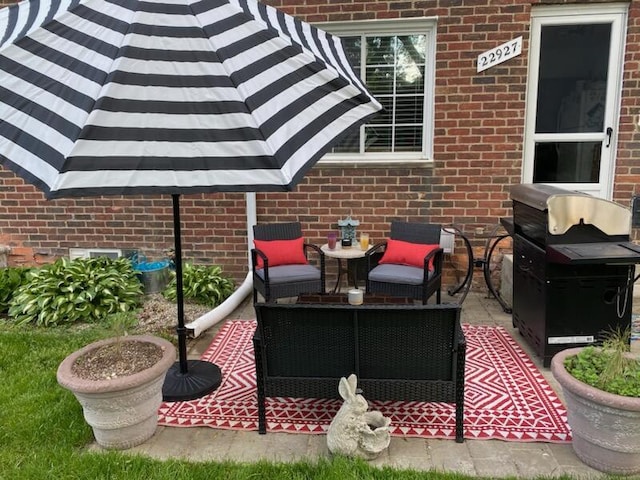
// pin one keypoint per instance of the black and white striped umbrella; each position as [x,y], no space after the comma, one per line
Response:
[111,97]
[104,97]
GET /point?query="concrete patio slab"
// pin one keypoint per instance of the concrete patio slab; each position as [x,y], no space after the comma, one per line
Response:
[488,458]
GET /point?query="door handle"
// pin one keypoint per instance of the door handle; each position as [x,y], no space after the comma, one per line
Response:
[609,133]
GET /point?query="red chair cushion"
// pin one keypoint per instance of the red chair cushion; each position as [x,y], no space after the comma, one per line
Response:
[407,253]
[281,252]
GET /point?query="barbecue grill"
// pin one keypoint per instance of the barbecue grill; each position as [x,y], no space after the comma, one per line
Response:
[573,267]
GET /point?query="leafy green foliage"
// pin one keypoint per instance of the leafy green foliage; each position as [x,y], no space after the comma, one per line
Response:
[67,291]
[10,279]
[607,368]
[203,284]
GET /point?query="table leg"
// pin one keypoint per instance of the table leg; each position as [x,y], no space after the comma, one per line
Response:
[355,269]
[354,265]
[336,288]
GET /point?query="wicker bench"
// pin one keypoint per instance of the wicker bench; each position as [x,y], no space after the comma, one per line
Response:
[398,352]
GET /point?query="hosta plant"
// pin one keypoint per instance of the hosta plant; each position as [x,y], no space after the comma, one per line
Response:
[67,291]
[10,279]
[203,284]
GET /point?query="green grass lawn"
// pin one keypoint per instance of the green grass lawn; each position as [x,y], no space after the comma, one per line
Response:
[43,434]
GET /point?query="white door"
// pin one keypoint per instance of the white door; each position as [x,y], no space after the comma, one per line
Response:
[573,96]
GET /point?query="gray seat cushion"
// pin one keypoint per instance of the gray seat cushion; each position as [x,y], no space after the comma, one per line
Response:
[391,273]
[290,273]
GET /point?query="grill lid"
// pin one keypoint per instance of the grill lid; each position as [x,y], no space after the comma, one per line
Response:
[568,208]
[536,194]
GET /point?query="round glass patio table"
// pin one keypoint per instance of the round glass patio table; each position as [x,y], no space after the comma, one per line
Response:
[353,255]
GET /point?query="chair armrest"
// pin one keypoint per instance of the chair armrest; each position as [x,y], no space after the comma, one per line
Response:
[377,247]
[462,340]
[255,253]
[436,255]
[374,254]
[319,251]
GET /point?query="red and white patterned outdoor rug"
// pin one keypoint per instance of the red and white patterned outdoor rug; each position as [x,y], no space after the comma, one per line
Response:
[506,396]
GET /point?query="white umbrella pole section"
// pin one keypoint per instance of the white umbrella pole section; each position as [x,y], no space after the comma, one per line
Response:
[221,312]
[186,379]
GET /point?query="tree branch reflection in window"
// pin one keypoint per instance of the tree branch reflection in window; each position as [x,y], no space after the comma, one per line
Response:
[394,72]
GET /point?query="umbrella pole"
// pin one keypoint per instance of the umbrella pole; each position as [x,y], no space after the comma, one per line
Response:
[186,379]
[180,330]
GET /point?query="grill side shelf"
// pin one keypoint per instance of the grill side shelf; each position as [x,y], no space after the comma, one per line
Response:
[620,253]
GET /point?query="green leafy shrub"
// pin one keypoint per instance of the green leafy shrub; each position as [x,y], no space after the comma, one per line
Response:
[203,284]
[10,279]
[67,291]
[608,368]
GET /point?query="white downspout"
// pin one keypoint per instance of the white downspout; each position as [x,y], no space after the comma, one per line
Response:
[221,312]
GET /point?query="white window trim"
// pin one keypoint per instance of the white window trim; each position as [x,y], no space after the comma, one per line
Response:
[409,26]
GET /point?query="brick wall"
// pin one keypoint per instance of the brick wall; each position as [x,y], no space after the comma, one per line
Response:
[479,126]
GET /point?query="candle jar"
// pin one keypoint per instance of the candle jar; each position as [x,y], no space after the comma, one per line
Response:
[355,296]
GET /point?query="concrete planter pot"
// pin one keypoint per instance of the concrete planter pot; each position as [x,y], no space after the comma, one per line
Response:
[123,411]
[605,426]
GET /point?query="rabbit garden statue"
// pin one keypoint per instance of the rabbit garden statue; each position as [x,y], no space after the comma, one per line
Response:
[354,431]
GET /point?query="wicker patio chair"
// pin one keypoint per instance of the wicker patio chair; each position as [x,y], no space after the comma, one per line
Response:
[280,263]
[413,269]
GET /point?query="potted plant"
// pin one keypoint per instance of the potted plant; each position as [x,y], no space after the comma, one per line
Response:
[118,382]
[601,387]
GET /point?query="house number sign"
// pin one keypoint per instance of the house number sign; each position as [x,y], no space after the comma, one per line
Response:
[497,55]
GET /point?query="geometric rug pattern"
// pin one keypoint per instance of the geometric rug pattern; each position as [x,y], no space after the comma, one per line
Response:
[506,396]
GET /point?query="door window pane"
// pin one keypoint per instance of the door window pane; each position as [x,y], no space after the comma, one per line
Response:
[572,79]
[567,162]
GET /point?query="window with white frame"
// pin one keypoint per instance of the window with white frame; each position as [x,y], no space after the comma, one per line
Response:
[396,60]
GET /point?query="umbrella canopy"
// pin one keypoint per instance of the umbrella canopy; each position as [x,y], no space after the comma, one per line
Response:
[119,97]
[104,97]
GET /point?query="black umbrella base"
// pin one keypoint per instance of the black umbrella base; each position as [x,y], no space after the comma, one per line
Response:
[201,378]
